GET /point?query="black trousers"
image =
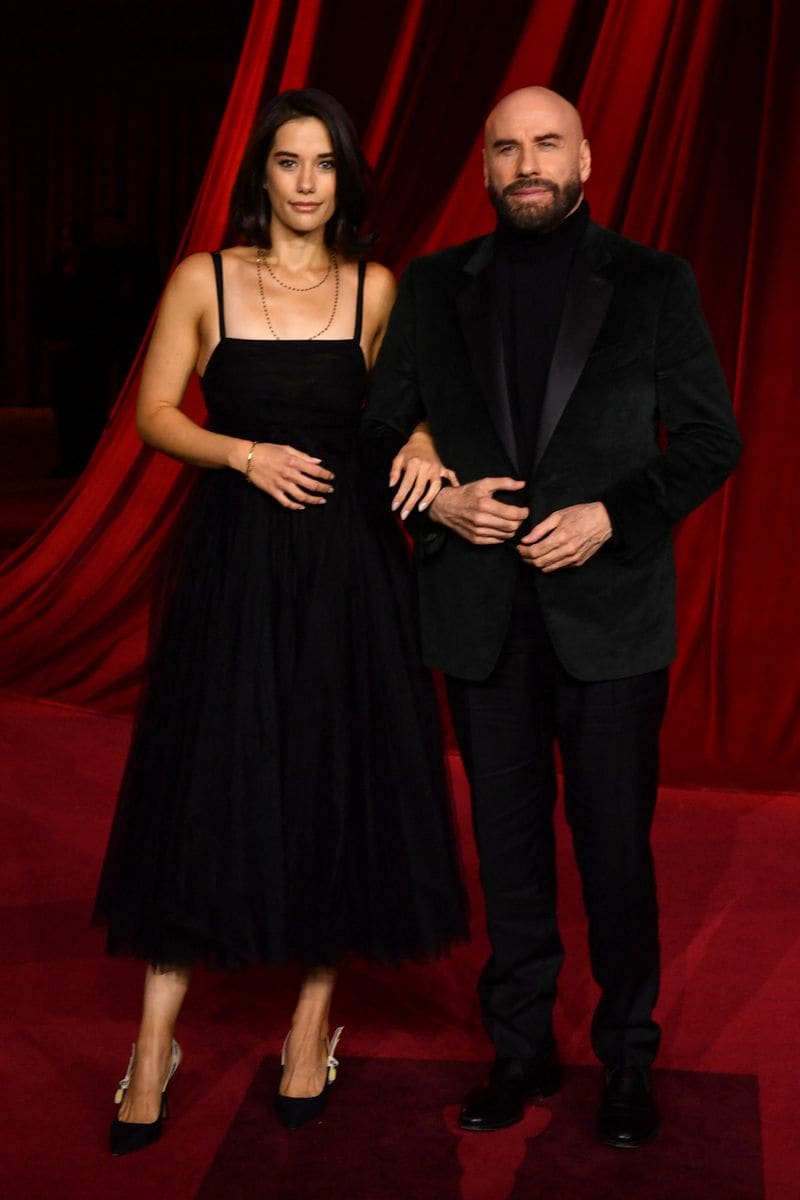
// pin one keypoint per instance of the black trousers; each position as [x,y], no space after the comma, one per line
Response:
[607,732]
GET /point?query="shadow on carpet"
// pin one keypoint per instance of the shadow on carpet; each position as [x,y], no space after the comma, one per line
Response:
[390,1133]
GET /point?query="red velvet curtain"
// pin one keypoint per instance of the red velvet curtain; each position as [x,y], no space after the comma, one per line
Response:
[694,118]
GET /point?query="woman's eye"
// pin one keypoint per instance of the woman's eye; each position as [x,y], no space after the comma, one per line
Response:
[328,164]
[286,162]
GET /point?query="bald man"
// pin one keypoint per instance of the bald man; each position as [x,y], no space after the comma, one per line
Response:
[549,358]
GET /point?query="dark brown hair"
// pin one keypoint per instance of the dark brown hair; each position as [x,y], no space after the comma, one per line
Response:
[250,206]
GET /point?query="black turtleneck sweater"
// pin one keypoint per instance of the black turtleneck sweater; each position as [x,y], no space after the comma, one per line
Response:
[532,270]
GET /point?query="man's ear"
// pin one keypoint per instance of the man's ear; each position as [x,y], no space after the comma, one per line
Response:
[485,169]
[585,160]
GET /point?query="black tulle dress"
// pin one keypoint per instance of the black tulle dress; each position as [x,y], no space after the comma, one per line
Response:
[284,797]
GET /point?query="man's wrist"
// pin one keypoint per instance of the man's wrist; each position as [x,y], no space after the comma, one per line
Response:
[432,513]
[609,531]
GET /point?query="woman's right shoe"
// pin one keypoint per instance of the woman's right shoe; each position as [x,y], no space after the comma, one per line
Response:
[294,1111]
[127,1136]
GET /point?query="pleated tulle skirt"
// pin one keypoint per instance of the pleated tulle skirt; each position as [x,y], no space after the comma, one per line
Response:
[284,798]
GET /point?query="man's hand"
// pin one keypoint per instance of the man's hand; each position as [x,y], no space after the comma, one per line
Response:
[567,538]
[472,511]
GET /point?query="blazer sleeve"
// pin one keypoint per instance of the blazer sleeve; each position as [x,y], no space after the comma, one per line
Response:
[693,405]
[395,407]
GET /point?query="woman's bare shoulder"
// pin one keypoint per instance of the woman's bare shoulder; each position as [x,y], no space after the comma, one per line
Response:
[379,277]
[193,273]
[380,286]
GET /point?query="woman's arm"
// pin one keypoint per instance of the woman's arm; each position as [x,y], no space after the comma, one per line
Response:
[173,354]
[290,476]
[416,471]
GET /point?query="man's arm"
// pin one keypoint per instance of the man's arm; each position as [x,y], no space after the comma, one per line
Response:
[395,408]
[703,447]
[703,443]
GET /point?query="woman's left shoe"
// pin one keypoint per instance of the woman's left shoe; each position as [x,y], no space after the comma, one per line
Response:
[294,1111]
[127,1136]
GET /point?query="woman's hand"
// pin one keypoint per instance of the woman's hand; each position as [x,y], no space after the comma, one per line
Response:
[291,477]
[419,472]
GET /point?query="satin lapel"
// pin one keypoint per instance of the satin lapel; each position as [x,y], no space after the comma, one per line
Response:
[477,310]
[588,296]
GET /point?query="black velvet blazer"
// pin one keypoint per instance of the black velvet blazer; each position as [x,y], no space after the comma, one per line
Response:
[633,357]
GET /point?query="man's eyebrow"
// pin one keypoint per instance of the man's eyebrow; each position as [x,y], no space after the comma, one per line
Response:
[499,143]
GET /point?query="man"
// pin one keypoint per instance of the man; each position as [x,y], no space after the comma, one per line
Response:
[547,357]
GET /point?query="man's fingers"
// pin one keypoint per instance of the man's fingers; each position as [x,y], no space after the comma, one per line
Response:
[495,508]
[541,530]
[495,525]
[502,484]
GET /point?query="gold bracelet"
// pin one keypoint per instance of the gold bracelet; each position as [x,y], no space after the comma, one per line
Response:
[249,468]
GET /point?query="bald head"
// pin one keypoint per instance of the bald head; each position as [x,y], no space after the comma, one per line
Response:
[530,104]
[536,158]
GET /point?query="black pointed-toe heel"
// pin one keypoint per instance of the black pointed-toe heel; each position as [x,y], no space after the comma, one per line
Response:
[127,1136]
[294,1111]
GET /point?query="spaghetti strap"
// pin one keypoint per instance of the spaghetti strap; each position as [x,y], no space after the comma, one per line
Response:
[362,270]
[217,259]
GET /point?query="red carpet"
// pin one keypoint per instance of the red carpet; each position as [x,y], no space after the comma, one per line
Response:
[730,891]
[364,1150]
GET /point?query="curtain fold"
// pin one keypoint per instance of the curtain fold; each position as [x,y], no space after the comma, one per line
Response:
[693,114]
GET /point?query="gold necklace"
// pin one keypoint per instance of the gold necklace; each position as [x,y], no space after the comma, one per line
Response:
[289,287]
[260,258]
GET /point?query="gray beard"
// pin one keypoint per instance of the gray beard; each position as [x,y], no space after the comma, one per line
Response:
[530,219]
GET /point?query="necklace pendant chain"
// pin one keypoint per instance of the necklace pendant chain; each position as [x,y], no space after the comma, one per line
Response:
[333,264]
[290,287]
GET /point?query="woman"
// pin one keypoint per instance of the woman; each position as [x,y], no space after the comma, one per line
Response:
[283,800]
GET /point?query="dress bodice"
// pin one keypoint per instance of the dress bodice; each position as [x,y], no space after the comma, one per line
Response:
[307,391]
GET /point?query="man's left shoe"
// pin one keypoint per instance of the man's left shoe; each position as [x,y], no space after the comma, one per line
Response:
[511,1085]
[628,1116]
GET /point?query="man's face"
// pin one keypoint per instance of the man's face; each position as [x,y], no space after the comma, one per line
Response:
[536,160]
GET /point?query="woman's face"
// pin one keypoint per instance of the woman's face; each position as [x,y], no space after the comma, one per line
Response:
[300,178]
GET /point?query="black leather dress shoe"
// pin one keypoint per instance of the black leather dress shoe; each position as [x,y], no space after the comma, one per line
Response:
[628,1116]
[512,1083]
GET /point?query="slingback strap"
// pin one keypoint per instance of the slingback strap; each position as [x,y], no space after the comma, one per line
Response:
[362,270]
[217,259]
[332,1062]
[124,1083]
[331,1043]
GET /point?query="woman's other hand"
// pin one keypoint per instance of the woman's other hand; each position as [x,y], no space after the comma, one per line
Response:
[418,472]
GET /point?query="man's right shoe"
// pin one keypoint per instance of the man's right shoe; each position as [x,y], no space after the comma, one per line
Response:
[512,1083]
[628,1116]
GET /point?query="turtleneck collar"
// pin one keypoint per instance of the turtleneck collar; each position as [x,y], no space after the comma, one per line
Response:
[526,242]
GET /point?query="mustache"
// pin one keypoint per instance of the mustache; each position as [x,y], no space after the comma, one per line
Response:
[520,185]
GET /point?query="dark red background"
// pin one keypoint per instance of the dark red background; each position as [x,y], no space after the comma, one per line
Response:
[693,112]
